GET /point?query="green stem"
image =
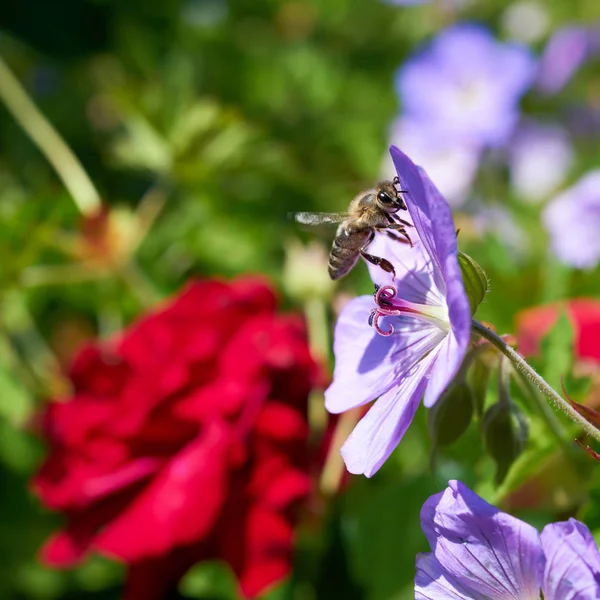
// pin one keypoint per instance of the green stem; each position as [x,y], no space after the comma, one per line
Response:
[315,311]
[139,284]
[552,422]
[523,368]
[49,142]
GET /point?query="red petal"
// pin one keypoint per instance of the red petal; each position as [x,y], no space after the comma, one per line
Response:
[280,421]
[180,506]
[63,549]
[268,554]
[534,323]
[153,579]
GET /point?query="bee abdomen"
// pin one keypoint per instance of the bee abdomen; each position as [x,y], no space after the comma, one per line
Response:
[345,252]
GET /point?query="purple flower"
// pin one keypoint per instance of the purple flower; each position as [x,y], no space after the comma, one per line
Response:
[479,552]
[540,159]
[564,54]
[573,222]
[466,86]
[451,166]
[420,330]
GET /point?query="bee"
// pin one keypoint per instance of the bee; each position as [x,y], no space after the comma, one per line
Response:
[371,211]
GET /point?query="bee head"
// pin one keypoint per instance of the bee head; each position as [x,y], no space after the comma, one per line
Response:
[389,199]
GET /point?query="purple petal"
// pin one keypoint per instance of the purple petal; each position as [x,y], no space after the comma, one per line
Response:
[573,221]
[415,278]
[452,165]
[572,562]
[489,552]
[417,201]
[466,86]
[564,54]
[367,364]
[433,221]
[432,582]
[382,428]
[449,359]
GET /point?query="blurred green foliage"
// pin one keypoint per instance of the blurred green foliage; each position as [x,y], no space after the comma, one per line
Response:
[203,123]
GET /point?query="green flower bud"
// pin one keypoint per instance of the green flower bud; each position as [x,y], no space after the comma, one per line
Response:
[505,431]
[451,415]
[475,280]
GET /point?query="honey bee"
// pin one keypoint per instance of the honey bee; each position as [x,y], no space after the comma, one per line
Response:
[371,211]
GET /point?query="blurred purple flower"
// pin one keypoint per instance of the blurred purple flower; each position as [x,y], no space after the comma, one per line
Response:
[428,325]
[466,86]
[573,222]
[497,219]
[480,552]
[567,49]
[451,166]
[540,159]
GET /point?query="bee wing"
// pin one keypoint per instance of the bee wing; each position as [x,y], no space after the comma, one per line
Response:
[318,218]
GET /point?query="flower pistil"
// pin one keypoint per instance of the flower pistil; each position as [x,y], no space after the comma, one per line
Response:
[389,304]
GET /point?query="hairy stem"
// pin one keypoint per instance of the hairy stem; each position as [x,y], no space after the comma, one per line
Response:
[523,368]
[48,141]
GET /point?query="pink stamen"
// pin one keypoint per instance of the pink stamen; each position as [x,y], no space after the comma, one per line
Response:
[388,306]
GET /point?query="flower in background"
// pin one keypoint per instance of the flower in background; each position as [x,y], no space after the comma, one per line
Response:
[540,159]
[584,313]
[466,86]
[452,167]
[478,551]
[185,440]
[497,220]
[573,221]
[421,328]
[566,51]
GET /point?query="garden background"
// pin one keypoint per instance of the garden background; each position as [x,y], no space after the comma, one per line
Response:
[202,124]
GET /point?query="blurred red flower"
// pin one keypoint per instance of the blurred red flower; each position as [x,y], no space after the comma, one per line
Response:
[584,313]
[185,440]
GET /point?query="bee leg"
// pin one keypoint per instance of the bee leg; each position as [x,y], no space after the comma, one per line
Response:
[399,229]
[395,237]
[385,264]
[403,223]
[396,181]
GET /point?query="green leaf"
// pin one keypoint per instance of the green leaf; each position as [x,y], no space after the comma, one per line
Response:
[211,579]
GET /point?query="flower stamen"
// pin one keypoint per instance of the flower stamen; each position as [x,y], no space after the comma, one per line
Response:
[389,305]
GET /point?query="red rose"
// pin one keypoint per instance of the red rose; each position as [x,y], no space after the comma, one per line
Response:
[584,313]
[185,440]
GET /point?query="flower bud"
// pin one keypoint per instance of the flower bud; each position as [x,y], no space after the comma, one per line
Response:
[505,431]
[451,415]
[475,280]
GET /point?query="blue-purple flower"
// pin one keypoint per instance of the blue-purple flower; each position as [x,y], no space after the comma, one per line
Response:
[452,166]
[573,221]
[420,327]
[466,86]
[540,158]
[481,553]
